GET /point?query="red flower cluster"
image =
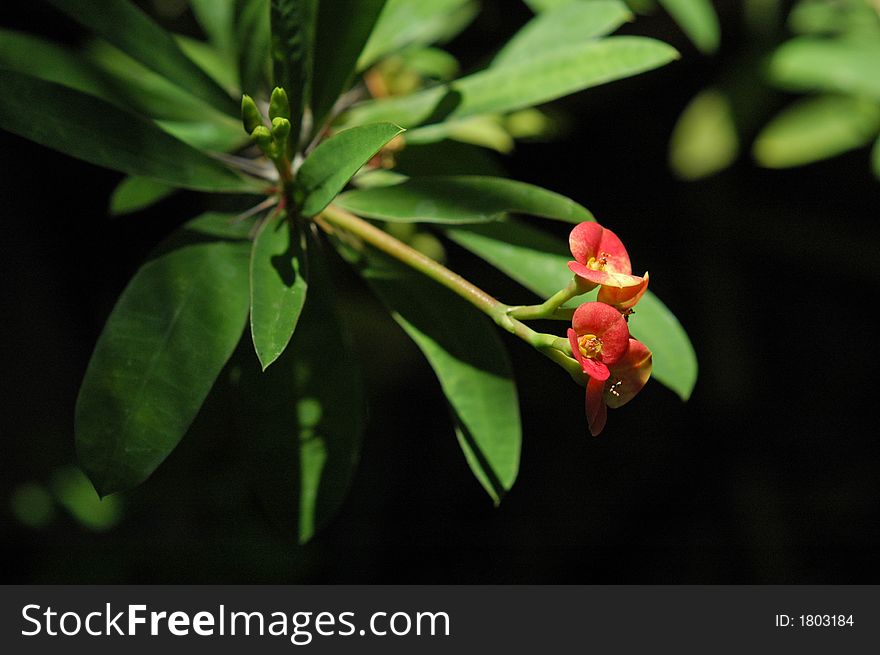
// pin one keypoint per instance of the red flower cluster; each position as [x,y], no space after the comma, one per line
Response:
[616,365]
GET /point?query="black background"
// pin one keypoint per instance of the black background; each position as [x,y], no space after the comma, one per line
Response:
[768,475]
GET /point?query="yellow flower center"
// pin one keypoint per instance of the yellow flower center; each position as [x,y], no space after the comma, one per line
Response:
[598,263]
[590,345]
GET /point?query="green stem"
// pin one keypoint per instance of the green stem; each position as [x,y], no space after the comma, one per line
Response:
[551,308]
[555,348]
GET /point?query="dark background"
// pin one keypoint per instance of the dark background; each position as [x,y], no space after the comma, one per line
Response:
[768,475]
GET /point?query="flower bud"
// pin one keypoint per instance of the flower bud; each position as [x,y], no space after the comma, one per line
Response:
[263,137]
[281,133]
[279,105]
[250,115]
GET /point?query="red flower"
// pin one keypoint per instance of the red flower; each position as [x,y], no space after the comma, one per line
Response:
[627,377]
[601,259]
[616,365]
[599,336]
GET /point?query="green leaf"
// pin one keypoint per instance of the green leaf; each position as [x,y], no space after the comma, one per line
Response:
[560,27]
[698,20]
[91,129]
[48,61]
[403,23]
[217,19]
[447,158]
[338,44]
[253,37]
[165,342]
[815,129]
[546,5]
[335,161]
[128,28]
[538,262]
[303,418]
[214,62]
[847,66]
[278,285]
[534,81]
[136,193]
[704,140]
[142,90]
[293,51]
[463,348]
[460,199]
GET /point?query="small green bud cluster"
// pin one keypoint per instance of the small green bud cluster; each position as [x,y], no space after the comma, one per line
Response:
[274,141]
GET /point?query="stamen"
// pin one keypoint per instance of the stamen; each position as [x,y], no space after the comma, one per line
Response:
[590,345]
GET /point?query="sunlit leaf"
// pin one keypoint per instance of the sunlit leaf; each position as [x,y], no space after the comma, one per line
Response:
[278,285]
[338,44]
[815,129]
[539,79]
[538,262]
[91,129]
[463,348]
[697,18]
[705,139]
[303,418]
[166,340]
[127,27]
[460,199]
[136,193]
[847,66]
[74,493]
[404,22]
[335,161]
[558,28]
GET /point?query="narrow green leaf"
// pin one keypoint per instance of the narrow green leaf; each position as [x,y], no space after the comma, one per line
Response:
[217,19]
[847,66]
[538,262]
[823,17]
[165,342]
[303,418]
[403,23]
[815,129]
[558,28]
[253,38]
[144,91]
[704,140]
[460,199]
[447,158]
[697,18]
[214,62]
[278,285]
[136,193]
[545,5]
[463,348]
[335,161]
[124,25]
[293,52]
[338,44]
[31,55]
[530,82]
[91,129]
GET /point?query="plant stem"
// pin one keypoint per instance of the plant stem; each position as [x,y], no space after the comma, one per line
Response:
[383,241]
[551,346]
[550,308]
